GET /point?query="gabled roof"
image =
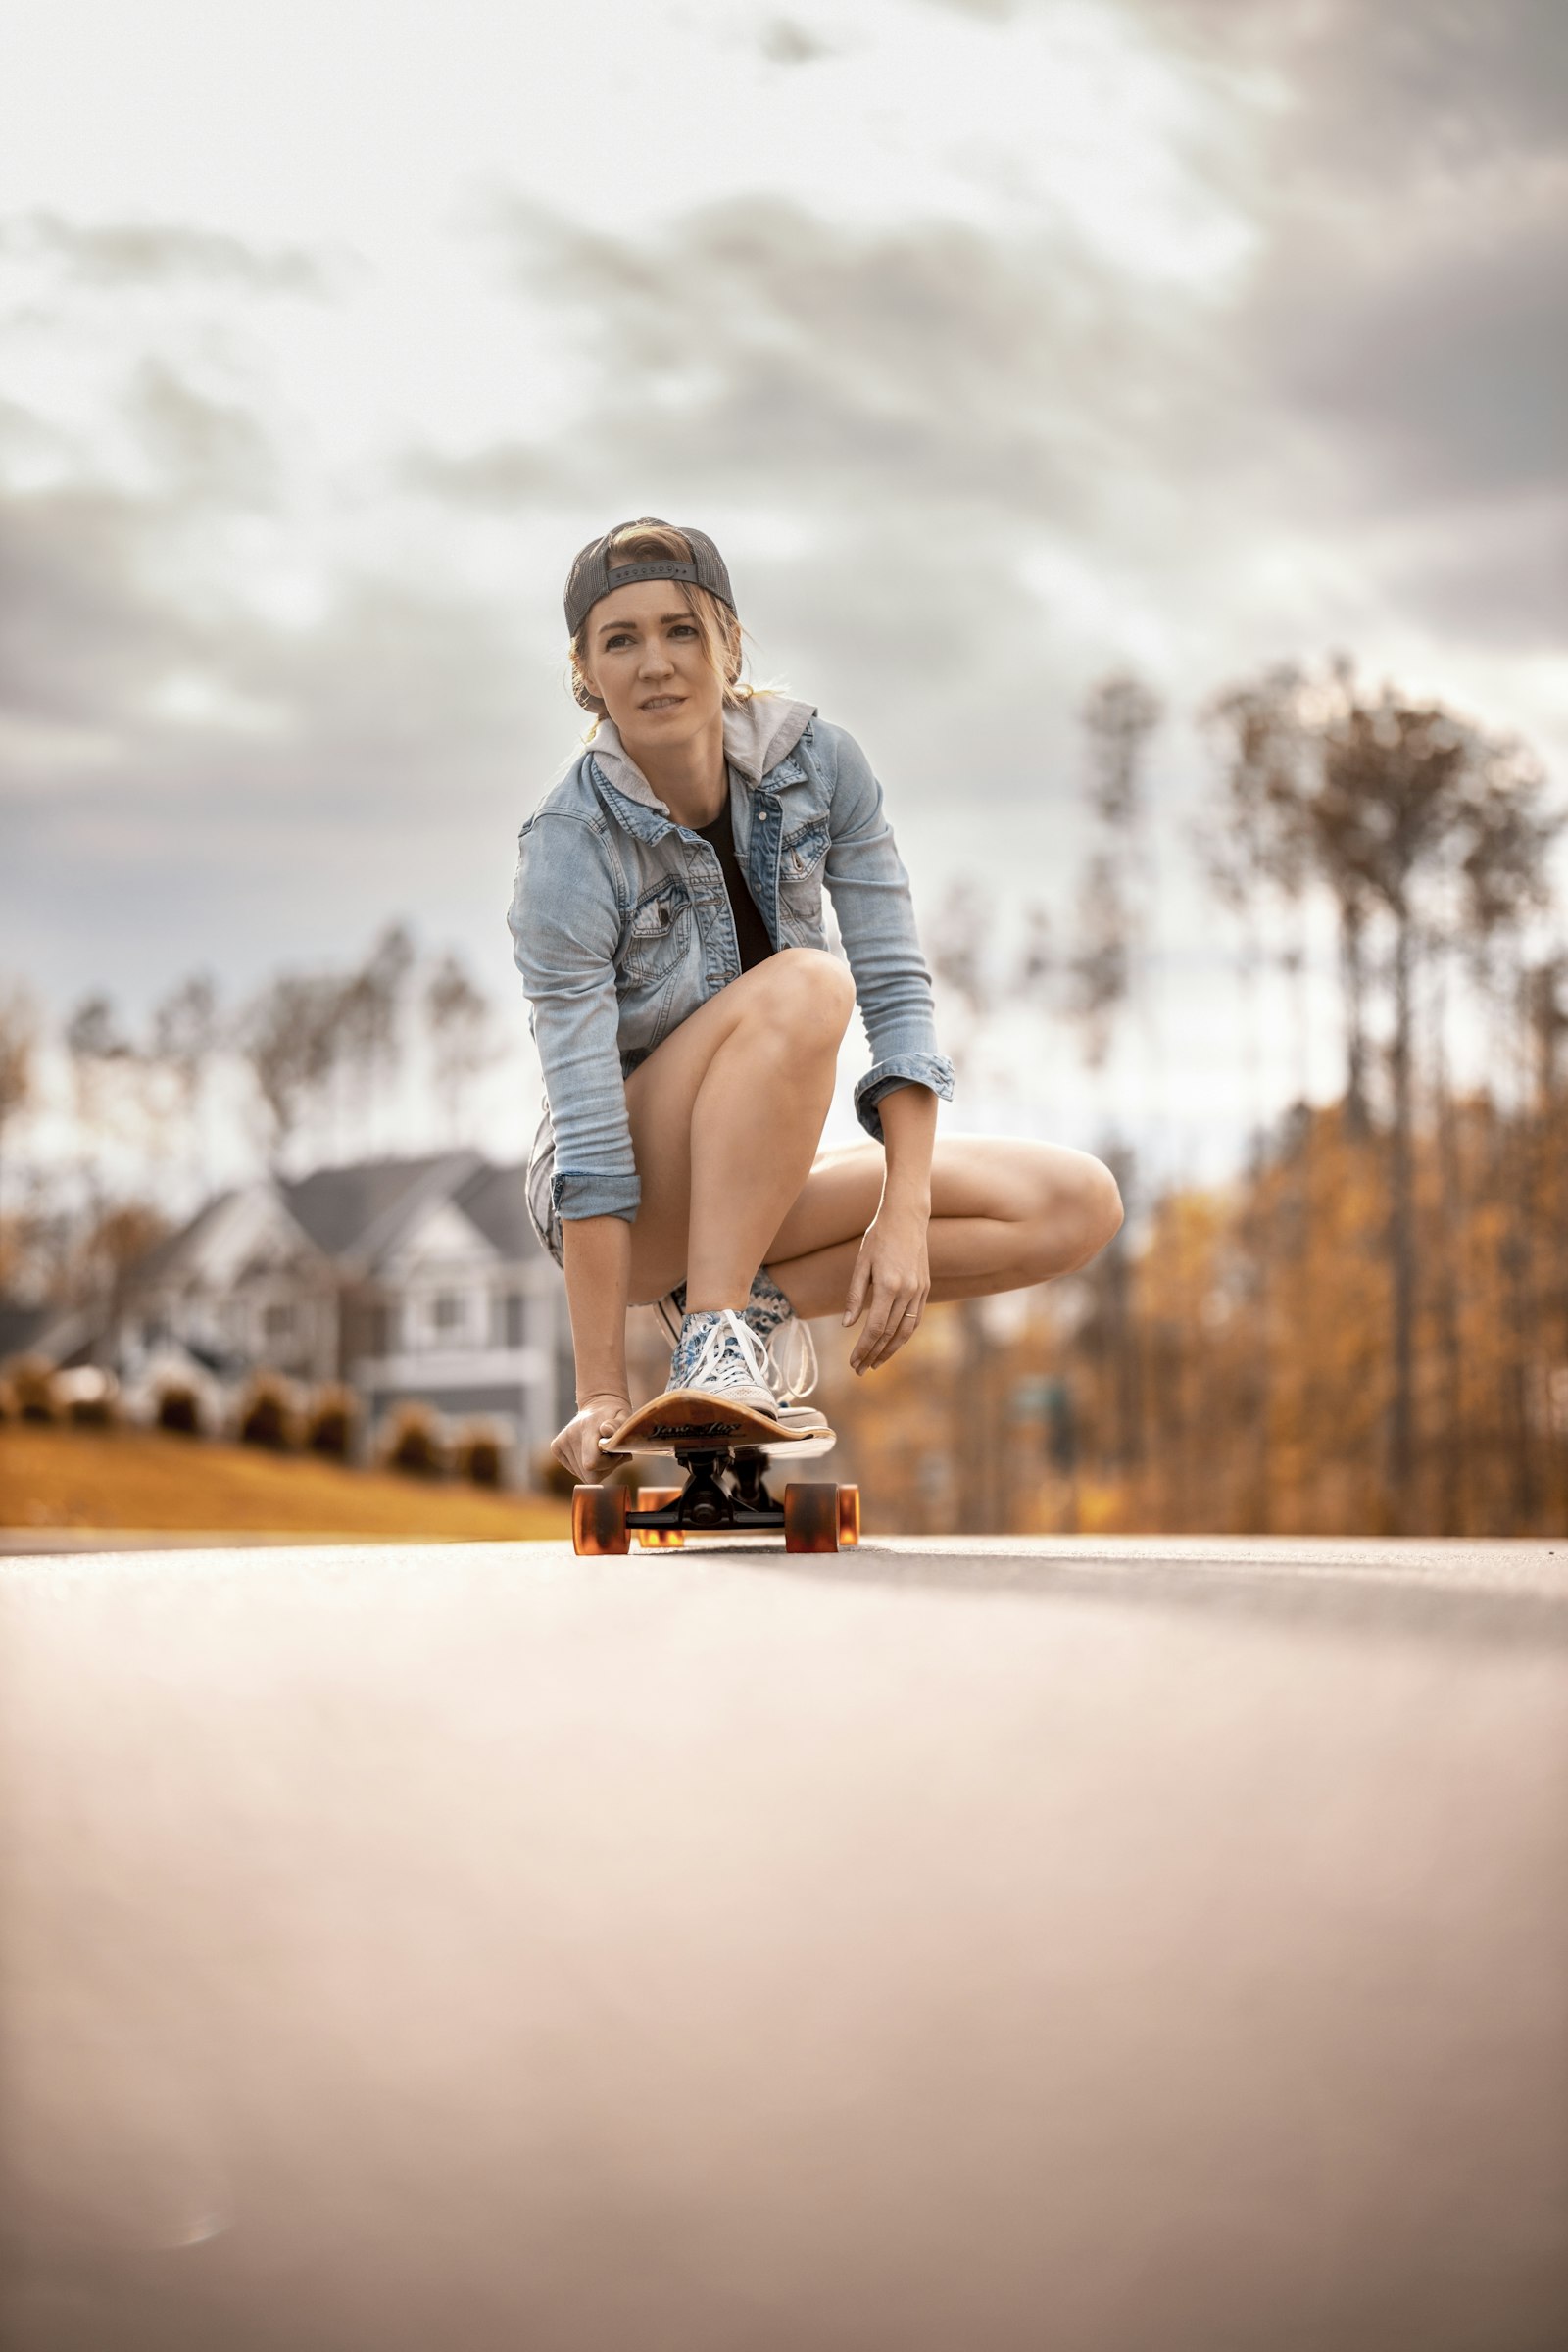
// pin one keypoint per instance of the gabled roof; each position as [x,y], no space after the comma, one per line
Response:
[56,1332]
[173,1246]
[20,1326]
[356,1214]
[495,1200]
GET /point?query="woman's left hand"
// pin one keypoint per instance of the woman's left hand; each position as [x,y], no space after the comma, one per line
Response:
[890,1286]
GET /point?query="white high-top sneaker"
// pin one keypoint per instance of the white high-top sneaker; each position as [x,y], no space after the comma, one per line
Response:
[719,1356]
[791,1355]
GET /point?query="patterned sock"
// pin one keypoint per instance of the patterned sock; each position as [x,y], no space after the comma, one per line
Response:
[767,1307]
[765,1310]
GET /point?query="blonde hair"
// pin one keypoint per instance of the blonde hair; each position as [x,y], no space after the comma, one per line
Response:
[720,630]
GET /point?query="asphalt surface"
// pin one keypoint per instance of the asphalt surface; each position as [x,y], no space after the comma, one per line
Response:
[1123,1947]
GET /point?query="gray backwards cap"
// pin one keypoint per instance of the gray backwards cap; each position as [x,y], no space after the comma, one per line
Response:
[591,577]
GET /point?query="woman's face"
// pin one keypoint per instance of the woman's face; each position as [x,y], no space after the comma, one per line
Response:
[647,663]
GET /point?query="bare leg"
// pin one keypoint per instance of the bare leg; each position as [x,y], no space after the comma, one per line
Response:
[727,1116]
[1003,1213]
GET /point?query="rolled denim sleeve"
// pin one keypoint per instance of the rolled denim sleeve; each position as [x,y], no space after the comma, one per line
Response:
[565,923]
[870,893]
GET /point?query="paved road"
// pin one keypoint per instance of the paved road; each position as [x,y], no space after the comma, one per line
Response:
[1118,1949]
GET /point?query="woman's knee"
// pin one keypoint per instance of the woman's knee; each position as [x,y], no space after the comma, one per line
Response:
[1094,1208]
[1076,1210]
[807,992]
[1103,1205]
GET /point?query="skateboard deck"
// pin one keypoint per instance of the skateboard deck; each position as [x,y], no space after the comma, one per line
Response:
[694,1421]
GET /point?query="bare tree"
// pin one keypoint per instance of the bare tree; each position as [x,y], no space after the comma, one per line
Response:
[370,1021]
[1098,969]
[1115,897]
[186,1033]
[19,1035]
[288,1038]
[1120,714]
[97,1047]
[458,1017]
[1106,969]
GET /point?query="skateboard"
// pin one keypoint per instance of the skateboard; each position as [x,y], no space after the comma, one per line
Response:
[724,1451]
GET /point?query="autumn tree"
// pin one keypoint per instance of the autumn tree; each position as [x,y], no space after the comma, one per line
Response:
[1428,833]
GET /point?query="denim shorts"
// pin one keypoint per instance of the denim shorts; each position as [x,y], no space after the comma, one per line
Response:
[543,1215]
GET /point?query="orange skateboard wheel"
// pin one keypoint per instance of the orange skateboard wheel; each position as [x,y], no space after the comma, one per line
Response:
[812,1518]
[657,1539]
[599,1521]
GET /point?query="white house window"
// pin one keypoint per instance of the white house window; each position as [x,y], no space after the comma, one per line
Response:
[449,1313]
[278,1321]
[511,1320]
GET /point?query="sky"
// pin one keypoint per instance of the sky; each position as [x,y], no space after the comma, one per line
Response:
[1000,343]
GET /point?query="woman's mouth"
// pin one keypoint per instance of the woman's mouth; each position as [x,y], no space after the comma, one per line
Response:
[664,702]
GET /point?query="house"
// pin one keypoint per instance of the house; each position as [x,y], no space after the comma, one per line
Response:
[407,1279]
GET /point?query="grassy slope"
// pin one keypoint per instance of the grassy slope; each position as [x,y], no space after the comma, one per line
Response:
[136,1478]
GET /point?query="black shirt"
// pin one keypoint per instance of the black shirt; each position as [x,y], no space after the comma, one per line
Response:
[751,932]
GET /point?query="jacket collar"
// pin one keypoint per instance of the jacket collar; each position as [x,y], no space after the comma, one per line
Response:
[759,733]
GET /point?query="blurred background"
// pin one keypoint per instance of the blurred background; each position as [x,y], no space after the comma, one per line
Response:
[1141,422]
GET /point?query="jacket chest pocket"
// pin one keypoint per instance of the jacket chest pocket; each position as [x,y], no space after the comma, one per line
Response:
[803,850]
[802,856]
[657,936]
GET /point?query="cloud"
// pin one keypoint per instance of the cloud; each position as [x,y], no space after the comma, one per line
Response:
[958,470]
[757,342]
[121,254]
[185,777]
[96,616]
[1360,96]
[784,42]
[204,446]
[956,467]
[87,633]
[1441,360]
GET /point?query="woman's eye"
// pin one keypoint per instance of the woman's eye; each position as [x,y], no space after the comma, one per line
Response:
[613,644]
[683,628]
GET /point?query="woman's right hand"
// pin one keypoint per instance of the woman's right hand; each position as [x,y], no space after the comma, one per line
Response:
[576,1447]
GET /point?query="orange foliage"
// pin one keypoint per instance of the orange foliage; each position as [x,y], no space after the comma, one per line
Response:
[1228,1365]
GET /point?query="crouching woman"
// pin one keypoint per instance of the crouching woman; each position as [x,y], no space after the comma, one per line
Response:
[667,921]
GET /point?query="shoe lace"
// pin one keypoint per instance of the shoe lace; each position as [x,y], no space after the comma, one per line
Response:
[792,1368]
[717,1366]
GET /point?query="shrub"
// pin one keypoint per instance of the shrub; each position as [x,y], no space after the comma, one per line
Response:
[33,1384]
[480,1458]
[267,1416]
[180,1409]
[415,1446]
[90,1396]
[329,1428]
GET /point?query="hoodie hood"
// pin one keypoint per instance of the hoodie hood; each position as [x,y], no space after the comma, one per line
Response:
[758,734]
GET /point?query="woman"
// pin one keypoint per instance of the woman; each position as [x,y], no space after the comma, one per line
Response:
[667,921]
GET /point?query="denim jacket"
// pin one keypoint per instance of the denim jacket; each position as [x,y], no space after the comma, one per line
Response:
[621,926]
